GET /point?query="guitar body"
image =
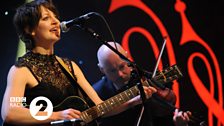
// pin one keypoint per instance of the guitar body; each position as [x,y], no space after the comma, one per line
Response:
[74,102]
[77,103]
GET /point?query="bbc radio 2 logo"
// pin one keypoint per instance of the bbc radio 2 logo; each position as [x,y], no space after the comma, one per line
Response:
[42,104]
[17,101]
[40,107]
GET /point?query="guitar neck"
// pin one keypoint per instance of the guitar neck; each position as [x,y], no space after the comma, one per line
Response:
[108,105]
[165,76]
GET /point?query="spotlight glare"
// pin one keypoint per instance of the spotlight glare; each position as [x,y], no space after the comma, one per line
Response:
[6,12]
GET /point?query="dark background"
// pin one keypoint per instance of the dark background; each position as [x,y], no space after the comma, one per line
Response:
[205,17]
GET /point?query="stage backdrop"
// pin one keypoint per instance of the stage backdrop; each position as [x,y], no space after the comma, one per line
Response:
[193,30]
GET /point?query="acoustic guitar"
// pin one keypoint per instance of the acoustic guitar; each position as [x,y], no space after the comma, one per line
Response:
[89,115]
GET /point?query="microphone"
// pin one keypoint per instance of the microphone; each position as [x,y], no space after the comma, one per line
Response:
[65,25]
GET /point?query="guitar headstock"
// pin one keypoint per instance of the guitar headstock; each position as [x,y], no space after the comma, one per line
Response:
[168,74]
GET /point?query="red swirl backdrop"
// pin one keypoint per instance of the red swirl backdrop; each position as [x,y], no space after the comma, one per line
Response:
[188,35]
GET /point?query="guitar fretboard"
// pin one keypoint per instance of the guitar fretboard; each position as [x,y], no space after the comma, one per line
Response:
[165,76]
[108,105]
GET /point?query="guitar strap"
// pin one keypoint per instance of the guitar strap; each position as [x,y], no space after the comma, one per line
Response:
[72,78]
[64,67]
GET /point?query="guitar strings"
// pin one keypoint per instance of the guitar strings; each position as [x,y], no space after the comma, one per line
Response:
[95,112]
[162,74]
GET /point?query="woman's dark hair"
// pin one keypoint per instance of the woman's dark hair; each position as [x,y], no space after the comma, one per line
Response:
[27,18]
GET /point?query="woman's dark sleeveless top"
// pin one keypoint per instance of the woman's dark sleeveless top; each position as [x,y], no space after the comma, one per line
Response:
[52,80]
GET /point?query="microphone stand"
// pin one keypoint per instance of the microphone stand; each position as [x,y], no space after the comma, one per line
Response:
[138,71]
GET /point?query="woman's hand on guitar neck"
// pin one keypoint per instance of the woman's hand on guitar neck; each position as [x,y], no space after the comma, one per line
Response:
[66,114]
[148,94]
[149,91]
